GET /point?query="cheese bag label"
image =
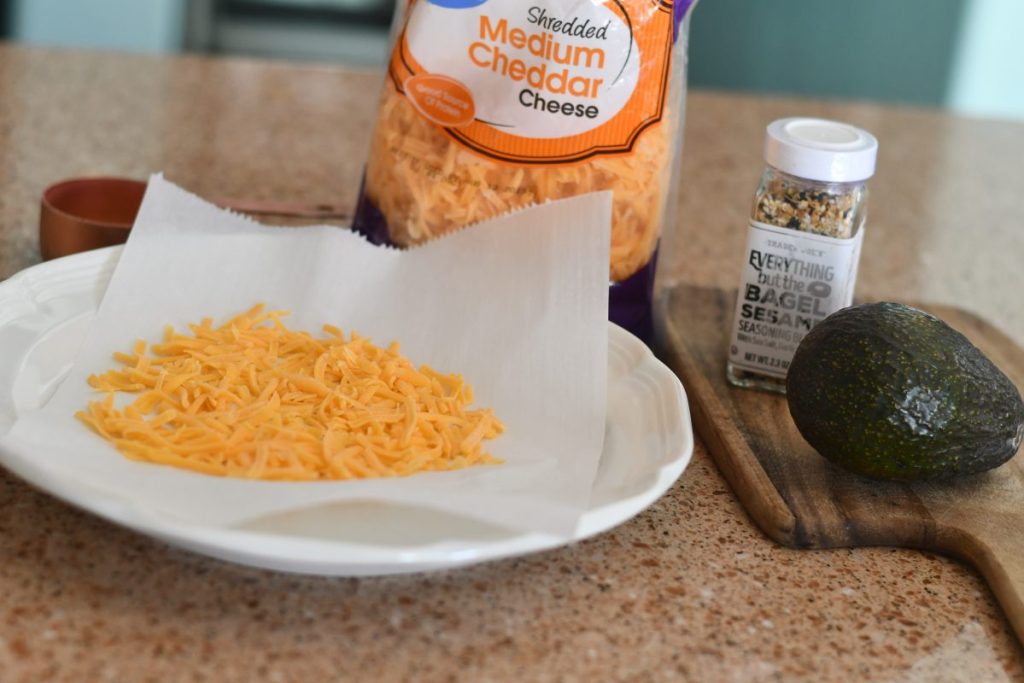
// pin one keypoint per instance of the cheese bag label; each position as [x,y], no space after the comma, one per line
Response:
[549,83]
[493,105]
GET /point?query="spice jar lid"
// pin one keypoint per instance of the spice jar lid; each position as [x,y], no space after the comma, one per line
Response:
[819,149]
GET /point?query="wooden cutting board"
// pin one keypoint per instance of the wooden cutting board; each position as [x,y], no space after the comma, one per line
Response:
[803,501]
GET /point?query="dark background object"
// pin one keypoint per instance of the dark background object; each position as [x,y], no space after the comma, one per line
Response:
[347,31]
[5,19]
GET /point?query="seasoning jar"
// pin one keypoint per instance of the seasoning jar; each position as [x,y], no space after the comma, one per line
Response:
[803,244]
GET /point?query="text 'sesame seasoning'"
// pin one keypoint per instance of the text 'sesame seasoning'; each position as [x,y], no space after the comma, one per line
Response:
[803,247]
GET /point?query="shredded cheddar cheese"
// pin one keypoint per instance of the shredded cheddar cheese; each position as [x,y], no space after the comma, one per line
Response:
[256,400]
[463,188]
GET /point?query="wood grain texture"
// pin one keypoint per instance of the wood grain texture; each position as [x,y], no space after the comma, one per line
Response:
[802,500]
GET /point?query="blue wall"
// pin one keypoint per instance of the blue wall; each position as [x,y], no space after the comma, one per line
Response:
[988,77]
[892,50]
[135,25]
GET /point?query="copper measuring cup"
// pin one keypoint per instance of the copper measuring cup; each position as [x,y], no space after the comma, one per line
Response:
[88,213]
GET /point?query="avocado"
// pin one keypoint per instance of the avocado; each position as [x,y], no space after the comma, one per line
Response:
[892,392]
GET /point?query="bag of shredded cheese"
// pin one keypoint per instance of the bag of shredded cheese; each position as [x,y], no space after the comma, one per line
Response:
[493,105]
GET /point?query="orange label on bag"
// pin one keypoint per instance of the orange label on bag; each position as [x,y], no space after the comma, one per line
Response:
[556,81]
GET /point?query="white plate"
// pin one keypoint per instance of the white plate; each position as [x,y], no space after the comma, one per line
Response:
[46,310]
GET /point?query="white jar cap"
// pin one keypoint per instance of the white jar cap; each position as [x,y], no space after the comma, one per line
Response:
[818,149]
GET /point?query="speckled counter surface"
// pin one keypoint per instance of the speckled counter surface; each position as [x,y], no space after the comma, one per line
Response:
[689,590]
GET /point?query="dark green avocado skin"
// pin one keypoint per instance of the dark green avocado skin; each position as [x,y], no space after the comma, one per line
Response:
[891,392]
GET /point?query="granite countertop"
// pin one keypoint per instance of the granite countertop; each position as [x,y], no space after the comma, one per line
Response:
[688,590]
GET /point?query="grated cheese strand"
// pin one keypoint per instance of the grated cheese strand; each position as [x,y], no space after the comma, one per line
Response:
[256,400]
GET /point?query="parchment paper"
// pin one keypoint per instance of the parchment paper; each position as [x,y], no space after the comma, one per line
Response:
[518,305]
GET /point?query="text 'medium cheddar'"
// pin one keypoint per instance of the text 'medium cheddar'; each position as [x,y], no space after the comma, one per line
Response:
[254,399]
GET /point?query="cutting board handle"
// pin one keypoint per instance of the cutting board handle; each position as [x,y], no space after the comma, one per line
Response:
[998,553]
